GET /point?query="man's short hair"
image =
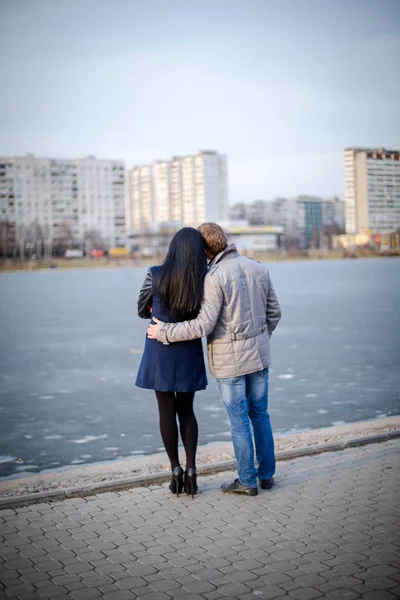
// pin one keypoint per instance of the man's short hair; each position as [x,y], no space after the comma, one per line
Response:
[214,238]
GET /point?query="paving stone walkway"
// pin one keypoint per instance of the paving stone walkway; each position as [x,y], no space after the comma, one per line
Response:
[330,528]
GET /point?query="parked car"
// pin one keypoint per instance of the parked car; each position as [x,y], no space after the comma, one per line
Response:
[70,253]
[97,253]
[119,253]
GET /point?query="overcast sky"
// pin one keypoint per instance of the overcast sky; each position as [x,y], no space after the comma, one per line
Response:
[280,86]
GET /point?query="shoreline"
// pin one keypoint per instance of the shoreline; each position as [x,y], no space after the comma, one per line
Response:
[63,265]
[215,456]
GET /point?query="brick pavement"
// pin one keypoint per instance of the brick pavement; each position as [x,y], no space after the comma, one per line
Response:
[329,529]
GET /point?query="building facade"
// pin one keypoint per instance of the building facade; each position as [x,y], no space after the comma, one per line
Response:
[184,190]
[306,220]
[309,220]
[70,199]
[372,189]
[254,238]
[333,210]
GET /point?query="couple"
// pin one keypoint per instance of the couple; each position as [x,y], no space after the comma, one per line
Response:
[233,303]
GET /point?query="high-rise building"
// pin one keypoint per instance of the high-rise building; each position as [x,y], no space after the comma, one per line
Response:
[372,189]
[185,190]
[189,199]
[175,188]
[311,221]
[69,198]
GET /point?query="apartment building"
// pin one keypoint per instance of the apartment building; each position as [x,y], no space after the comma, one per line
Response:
[64,197]
[184,190]
[372,189]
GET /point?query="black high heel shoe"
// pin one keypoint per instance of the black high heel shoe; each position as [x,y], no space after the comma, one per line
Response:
[191,482]
[176,484]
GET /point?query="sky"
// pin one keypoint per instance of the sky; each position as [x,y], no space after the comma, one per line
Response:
[279,86]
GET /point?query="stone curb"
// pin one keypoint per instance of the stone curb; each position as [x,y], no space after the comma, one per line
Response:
[158,478]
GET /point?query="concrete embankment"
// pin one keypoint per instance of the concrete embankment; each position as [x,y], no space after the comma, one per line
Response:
[210,459]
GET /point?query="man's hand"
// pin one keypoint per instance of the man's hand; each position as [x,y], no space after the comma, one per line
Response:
[152,329]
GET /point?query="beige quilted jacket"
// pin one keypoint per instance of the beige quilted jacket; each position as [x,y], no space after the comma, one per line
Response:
[238,315]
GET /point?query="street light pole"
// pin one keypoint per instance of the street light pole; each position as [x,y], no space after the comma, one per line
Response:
[21,249]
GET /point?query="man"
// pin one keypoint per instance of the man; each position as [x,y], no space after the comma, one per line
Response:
[238,314]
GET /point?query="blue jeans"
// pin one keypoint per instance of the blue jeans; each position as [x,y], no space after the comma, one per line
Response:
[246,400]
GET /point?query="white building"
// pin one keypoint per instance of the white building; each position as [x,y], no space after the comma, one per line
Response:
[253,238]
[73,197]
[372,189]
[185,191]
[140,196]
[101,199]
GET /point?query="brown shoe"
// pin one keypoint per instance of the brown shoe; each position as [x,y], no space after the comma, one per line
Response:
[237,488]
[266,484]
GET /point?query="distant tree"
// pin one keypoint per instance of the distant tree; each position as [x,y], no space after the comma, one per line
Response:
[93,240]
[32,232]
[63,239]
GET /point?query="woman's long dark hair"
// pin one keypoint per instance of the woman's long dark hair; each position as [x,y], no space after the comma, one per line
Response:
[181,281]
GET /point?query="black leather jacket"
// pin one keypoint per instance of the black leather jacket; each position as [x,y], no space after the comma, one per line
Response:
[145,297]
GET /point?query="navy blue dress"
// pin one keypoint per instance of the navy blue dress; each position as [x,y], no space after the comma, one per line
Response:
[177,367]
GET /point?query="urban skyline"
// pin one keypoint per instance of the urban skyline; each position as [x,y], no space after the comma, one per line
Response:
[157,162]
[129,167]
[90,202]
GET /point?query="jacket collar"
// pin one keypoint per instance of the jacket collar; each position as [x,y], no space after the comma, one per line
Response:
[229,252]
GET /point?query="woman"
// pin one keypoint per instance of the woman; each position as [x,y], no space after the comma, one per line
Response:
[173,292]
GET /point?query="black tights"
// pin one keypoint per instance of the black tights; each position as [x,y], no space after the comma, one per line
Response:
[171,405]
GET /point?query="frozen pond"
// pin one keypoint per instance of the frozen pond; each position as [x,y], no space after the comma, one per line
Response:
[71,345]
